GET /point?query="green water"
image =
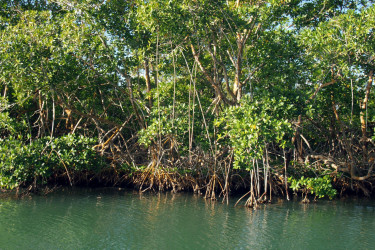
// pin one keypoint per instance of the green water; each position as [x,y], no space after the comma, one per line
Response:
[112,219]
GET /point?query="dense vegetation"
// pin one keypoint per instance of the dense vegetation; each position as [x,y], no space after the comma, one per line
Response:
[213,96]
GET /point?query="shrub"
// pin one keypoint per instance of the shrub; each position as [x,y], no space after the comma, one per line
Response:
[36,162]
[318,186]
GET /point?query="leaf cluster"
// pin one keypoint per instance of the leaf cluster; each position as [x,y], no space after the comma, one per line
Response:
[319,186]
[252,125]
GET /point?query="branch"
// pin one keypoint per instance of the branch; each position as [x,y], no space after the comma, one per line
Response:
[211,81]
[319,88]
[92,116]
[224,71]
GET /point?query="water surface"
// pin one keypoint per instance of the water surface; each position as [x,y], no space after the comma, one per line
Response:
[113,219]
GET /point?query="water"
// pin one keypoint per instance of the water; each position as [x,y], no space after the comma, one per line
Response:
[112,219]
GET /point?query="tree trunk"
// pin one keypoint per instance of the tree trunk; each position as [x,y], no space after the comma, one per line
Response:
[148,82]
[5,91]
[363,115]
[237,89]
[347,146]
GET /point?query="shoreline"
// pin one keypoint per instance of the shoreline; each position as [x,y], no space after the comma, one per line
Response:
[51,188]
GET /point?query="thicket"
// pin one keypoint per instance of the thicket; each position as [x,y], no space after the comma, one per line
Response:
[211,96]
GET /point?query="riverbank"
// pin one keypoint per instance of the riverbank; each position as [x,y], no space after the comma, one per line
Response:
[131,181]
[73,160]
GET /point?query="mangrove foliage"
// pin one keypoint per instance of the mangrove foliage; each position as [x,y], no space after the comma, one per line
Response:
[263,97]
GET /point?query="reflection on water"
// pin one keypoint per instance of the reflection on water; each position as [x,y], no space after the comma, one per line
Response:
[112,219]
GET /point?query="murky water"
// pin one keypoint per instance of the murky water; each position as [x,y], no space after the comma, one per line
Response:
[113,219]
